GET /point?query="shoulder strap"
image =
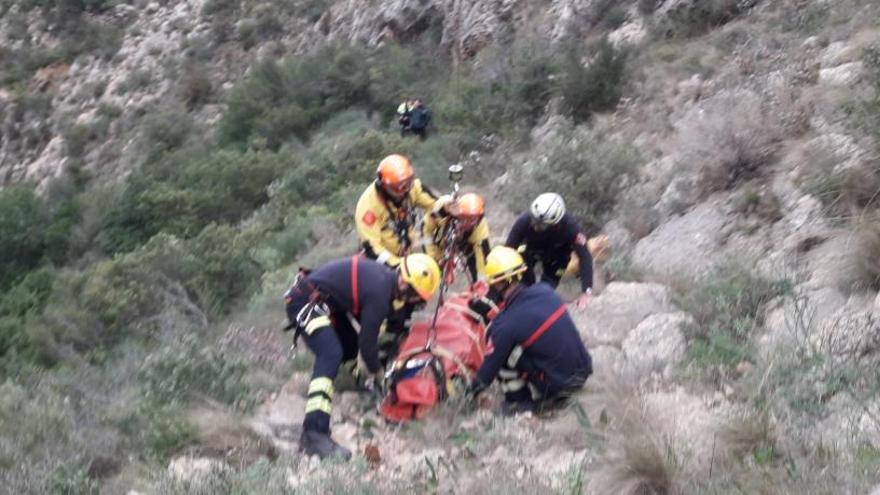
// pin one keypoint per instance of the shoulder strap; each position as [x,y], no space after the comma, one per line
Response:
[354,286]
[544,326]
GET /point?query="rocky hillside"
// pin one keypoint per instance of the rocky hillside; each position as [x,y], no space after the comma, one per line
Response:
[166,165]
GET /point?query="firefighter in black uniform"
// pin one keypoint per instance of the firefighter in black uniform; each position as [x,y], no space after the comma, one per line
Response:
[339,309]
[548,235]
[535,349]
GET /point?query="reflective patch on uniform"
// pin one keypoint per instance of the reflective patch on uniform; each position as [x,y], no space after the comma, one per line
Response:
[369,218]
[515,354]
[319,403]
[506,374]
[321,385]
[512,386]
[316,323]
[580,239]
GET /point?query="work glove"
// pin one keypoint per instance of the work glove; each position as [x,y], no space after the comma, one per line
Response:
[484,307]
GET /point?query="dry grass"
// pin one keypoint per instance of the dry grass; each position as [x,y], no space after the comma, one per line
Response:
[751,433]
[640,463]
[869,249]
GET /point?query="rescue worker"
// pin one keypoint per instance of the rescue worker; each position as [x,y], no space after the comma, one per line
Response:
[339,309]
[419,118]
[385,216]
[535,349]
[548,235]
[471,235]
[403,114]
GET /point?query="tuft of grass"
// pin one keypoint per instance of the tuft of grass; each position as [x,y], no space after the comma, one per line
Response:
[643,464]
[750,434]
[868,260]
[728,309]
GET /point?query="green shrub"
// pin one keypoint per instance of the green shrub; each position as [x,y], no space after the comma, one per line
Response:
[186,370]
[181,192]
[23,220]
[195,85]
[224,269]
[695,18]
[467,106]
[166,129]
[157,431]
[595,88]
[73,479]
[280,102]
[23,300]
[728,309]
[588,169]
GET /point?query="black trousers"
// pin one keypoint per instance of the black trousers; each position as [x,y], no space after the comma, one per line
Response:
[330,336]
[552,268]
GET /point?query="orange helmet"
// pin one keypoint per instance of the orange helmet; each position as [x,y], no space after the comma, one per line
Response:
[470,210]
[471,205]
[395,175]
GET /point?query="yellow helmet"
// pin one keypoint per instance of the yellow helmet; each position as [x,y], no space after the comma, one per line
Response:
[503,263]
[422,273]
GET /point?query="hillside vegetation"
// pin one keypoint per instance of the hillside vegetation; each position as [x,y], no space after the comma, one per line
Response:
[166,166]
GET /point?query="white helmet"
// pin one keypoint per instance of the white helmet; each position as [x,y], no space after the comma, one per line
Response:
[548,208]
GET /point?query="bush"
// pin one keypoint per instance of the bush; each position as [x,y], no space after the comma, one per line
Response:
[23,221]
[595,88]
[695,18]
[186,370]
[868,261]
[181,192]
[845,189]
[280,102]
[167,129]
[26,299]
[195,86]
[728,309]
[588,169]
[730,138]
[224,269]
[73,479]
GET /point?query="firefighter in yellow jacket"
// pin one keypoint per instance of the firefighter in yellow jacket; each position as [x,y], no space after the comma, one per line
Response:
[471,235]
[386,215]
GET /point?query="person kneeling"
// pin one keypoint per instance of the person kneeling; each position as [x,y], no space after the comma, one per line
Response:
[327,306]
[535,349]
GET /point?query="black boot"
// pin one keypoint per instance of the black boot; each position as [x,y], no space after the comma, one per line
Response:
[512,408]
[313,442]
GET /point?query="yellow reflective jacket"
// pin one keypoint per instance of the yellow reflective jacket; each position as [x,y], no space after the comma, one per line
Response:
[388,231]
[474,247]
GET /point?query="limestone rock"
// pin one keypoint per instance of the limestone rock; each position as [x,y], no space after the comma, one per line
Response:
[620,308]
[843,75]
[686,246]
[607,360]
[657,343]
[197,472]
[629,34]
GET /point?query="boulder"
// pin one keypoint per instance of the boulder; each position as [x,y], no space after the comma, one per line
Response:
[607,360]
[686,246]
[657,343]
[620,308]
[197,473]
[842,75]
